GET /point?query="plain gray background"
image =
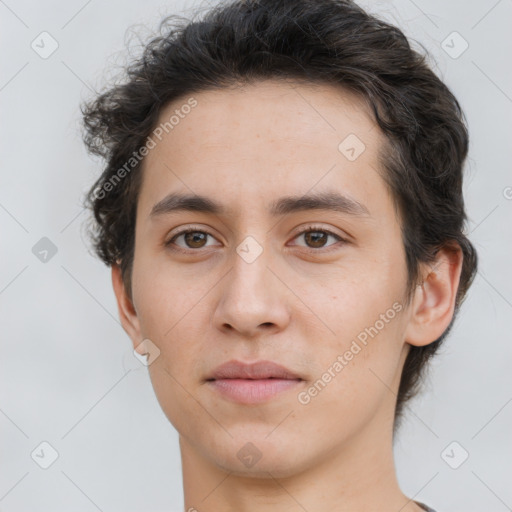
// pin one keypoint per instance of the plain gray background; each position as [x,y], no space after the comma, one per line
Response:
[68,376]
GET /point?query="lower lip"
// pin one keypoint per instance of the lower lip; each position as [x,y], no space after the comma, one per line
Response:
[252,391]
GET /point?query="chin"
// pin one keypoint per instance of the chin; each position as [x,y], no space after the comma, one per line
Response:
[269,468]
[257,457]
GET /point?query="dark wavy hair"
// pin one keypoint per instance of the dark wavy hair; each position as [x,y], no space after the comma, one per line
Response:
[311,41]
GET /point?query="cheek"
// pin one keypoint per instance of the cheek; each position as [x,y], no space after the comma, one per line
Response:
[170,321]
[355,374]
[163,296]
[356,304]
[166,316]
[362,340]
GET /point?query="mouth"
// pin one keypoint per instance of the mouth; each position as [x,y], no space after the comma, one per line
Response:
[252,391]
[252,383]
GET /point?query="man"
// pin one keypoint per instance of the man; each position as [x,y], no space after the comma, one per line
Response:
[282,210]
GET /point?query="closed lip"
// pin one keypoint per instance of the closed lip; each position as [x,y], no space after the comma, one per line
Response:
[259,370]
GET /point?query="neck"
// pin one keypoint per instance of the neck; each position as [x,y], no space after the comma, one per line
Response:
[358,475]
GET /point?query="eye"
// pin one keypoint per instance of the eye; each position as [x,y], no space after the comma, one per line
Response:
[317,237]
[192,237]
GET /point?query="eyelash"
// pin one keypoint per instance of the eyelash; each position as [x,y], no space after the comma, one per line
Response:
[310,228]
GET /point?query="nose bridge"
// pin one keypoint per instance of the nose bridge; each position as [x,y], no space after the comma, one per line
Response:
[252,253]
[250,273]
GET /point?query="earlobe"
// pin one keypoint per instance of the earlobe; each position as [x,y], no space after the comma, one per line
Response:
[126,309]
[434,299]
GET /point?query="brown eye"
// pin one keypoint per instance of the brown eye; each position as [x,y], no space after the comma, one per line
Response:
[193,239]
[317,238]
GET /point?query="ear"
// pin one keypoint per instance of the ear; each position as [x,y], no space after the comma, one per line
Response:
[433,304]
[125,307]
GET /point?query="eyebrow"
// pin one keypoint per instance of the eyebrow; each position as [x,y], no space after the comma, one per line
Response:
[332,201]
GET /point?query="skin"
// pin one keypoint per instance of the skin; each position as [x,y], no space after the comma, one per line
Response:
[245,147]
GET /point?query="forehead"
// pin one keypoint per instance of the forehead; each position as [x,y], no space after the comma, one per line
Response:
[260,139]
[306,113]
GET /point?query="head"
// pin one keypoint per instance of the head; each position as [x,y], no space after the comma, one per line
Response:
[257,101]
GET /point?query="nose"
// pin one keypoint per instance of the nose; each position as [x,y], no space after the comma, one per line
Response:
[253,299]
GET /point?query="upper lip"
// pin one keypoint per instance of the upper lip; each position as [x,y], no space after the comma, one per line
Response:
[258,370]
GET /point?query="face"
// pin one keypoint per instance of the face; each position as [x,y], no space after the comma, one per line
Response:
[315,286]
